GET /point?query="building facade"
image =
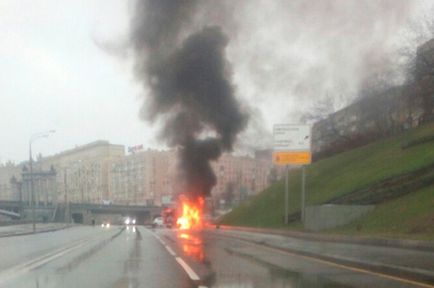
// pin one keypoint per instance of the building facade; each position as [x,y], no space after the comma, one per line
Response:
[239,177]
[83,173]
[9,175]
[143,178]
[44,187]
[100,172]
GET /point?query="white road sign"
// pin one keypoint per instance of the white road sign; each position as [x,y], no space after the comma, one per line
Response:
[292,137]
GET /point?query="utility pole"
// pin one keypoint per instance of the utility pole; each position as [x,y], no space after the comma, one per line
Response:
[33,138]
[65,183]
[31,188]
[286,196]
[303,192]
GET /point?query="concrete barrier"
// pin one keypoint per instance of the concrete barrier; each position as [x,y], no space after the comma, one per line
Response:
[328,216]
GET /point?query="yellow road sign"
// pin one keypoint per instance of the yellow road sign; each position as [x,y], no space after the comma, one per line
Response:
[293,157]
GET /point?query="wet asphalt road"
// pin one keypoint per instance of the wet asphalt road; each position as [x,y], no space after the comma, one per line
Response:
[140,257]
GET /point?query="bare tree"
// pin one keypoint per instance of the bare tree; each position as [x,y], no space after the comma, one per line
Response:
[323,108]
[418,31]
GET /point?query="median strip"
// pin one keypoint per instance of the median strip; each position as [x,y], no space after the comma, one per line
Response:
[20,269]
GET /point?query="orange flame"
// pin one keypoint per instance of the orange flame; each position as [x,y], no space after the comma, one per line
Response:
[192,245]
[195,252]
[191,216]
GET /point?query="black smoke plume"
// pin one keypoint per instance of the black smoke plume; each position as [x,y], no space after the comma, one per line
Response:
[186,73]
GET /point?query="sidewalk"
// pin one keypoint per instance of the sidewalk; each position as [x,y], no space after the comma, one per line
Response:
[362,240]
[26,229]
[417,264]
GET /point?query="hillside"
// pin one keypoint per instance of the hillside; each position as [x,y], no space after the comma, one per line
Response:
[380,173]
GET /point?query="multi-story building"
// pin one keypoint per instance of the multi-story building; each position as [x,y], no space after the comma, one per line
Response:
[9,174]
[44,186]
[15,184]
[101,171]
[143,177]
[83,173]
[149,177]
[240,177]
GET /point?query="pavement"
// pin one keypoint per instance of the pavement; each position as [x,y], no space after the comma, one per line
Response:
[119,256]
[340,238]
[24,229]
[416,264]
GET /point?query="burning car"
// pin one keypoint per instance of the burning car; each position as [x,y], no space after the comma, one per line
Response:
[191,213]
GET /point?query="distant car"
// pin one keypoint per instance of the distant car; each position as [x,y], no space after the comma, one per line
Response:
[106,202]
[105,224]
[158,222]
[130,221]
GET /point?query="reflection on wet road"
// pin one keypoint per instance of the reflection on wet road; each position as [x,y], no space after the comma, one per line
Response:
[117,258]
[226,262]
[125,257]
[192,245]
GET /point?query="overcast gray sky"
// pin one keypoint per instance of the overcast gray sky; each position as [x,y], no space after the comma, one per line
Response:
[53,76]
[284,56]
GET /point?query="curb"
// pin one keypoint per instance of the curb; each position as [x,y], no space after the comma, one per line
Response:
[31,233]
[385,242]
[419,275]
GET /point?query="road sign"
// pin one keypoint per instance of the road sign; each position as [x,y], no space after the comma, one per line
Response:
[295,158]
[291,137]
[292,144]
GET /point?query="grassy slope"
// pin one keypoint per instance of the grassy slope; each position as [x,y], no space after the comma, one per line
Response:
[337,175]
[412,214]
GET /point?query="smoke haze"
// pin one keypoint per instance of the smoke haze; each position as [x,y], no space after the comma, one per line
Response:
[188,78]
[285,56]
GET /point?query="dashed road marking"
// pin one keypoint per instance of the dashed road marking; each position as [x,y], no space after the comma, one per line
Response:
[190,272]
[193,276]
[170,250]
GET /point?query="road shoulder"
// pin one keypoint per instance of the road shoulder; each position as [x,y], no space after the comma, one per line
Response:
[357,253]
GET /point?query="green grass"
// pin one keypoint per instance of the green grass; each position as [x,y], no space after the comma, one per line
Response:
[337,175]
[410,216]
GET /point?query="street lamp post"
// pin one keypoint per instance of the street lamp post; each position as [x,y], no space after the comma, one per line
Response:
[33,138]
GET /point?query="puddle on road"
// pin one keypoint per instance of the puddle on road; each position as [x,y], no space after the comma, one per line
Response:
[191,244]
[234,269]
[75,262]
[132,266]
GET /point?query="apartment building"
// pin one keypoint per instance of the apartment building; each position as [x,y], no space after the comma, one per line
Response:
[101,171]
[241,176]
[83,173]
[9,174]
[143,177]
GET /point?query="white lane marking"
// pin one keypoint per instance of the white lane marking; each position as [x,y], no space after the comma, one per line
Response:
[20,269]
[201,286]
[193,276]
[170,250]
[159,238]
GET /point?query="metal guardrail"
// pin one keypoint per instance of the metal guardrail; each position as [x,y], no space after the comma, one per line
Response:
[9,213]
